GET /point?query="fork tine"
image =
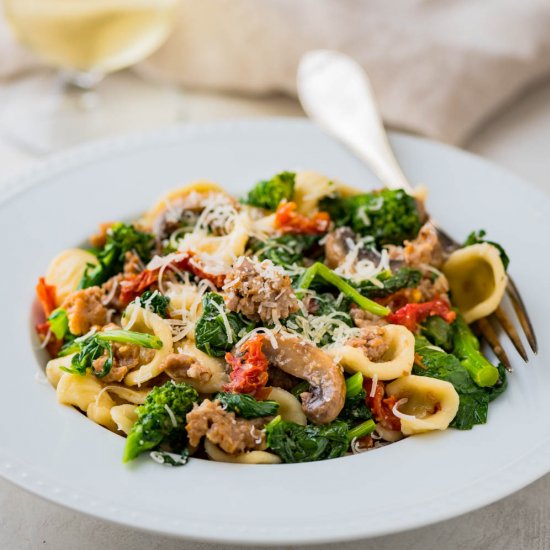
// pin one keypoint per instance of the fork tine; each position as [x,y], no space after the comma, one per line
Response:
[521,312]
[491,338]
[501,316]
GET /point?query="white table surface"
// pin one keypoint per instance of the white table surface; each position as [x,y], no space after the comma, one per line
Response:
[518,139]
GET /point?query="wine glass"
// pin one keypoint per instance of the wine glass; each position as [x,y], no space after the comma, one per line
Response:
[85,40]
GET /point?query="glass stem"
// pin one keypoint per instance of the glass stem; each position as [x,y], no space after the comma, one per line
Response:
[79,87]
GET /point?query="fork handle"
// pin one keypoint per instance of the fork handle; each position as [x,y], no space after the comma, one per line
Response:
[351,114]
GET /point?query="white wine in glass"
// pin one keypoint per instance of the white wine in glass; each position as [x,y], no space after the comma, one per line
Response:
[85,39]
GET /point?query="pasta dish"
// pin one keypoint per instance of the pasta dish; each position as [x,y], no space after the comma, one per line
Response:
[304,321]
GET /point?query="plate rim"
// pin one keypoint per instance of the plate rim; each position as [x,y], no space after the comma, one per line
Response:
[80,155]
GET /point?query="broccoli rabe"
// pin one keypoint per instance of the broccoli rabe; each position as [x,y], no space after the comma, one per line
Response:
[59,323]
[466,348]
[438,332]
[405,277]
[211,332]
[476,237]
[286,250]
[156,302]
[121,238]
[88,349]
[269,193]
[474,400]
[161,419]
[246,406]
[389,216]
[355,407]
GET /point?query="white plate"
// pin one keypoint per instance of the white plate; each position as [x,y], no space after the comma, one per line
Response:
[57,453]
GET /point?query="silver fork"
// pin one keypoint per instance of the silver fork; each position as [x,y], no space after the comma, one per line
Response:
[336,93]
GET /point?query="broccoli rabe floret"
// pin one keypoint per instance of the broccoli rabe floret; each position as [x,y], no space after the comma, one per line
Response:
[476,237]
[161,419]
[121,238]
[269,193]
[389,216]
[466,348]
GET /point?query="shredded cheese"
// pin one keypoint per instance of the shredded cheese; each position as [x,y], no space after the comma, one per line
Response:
[398,413]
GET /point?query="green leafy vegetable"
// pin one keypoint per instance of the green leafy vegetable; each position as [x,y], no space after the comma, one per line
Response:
[466,348]
[59,323]
[156,301]
[295,443]
[354,384]
[121,238]
[210,331]
[96,345]
[161,419]
[474,400]
[438,332]
[246,406]
[405,277]
[476,237]
[389,216]
[320,270]
[171,459]
[362,430]
[269,193]
[286,250]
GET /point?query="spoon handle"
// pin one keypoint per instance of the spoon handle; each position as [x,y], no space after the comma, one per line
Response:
[335,92]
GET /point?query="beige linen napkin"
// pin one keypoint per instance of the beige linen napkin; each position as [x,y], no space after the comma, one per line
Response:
[438,67]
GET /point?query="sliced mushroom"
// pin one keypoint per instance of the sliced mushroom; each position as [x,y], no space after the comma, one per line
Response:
[325,400]
[339,242]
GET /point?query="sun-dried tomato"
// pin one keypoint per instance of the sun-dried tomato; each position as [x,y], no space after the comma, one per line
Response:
[54,345]
[46,296]
[412,314]
[133,287]
[249,368]
[290,221]
[381,407]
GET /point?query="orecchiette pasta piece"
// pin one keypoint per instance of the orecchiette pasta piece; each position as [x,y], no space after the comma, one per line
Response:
[397,361]
[53,368]
[78,390]
[477,280]
[201,187]
[214,379]
[310,187]
[151,323]
[124,417]
[136,397]
[99,411]
[290,408]
[251,457]
[66,270]
[223,249]
[428,404]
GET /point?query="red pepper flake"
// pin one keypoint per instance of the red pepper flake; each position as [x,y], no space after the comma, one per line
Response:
[46,296]
[412,314]
[381,407]
[249,368]
[290,221]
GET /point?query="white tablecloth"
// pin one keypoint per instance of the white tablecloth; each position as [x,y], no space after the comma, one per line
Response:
[518,140]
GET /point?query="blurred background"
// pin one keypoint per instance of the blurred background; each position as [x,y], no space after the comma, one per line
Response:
[472,74]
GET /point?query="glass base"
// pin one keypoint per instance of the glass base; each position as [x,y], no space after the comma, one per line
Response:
[43,113]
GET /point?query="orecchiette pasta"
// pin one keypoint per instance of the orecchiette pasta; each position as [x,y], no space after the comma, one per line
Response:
[148,322]
[290,408]
[311,187]
[251,457]
[397,361]
[124,417]
[201,187]
[428,404]
[66,270]
[477,280]
[100,410]
[211,381]
[53,369]
[78,390]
